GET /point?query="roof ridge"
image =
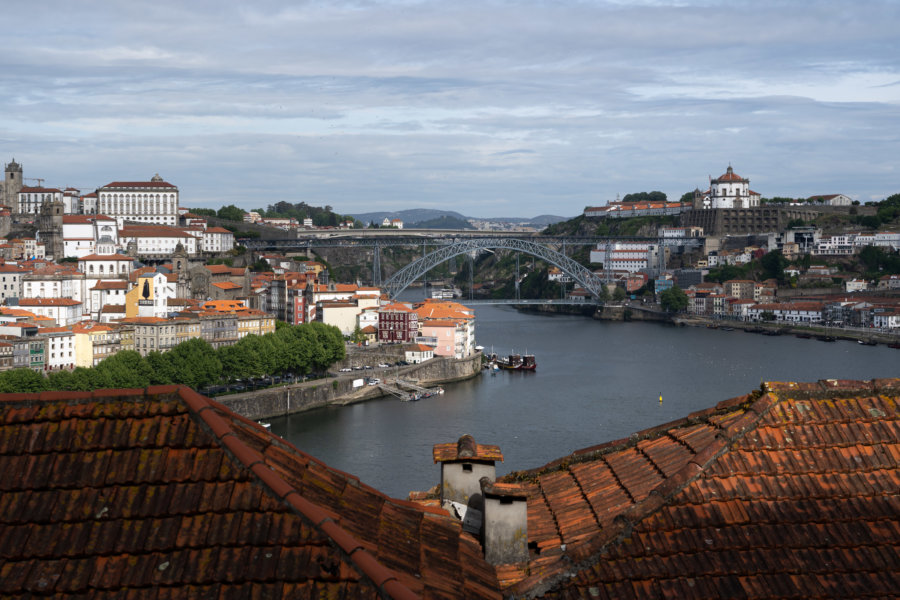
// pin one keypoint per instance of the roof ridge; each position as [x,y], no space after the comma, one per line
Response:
[755,407]
[385,579]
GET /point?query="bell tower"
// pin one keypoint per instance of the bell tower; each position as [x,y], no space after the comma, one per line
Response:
[12,183]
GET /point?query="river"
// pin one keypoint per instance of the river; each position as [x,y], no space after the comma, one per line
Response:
[595,382]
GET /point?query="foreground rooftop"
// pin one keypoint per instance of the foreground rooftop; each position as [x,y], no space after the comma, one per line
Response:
[787,492]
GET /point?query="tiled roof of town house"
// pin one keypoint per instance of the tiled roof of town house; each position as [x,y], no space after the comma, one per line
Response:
[789,492]
[48,302]
[153,231]
[227,285]
[110,285]
[84,219]
[38,190]
[113,309]
[217,230]
[137,184]
[162,492]
[466,449]
[106,257]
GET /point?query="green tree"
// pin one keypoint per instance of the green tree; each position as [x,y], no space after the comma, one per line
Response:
[773,265]
[22,380]
[619,294]
[195,363]
[203,212]
[124,369]
[161,370]
[767,315]
[673,299]
[357,336]
[231,213]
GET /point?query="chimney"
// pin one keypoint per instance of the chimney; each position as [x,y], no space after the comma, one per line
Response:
[505,537]
[463,464]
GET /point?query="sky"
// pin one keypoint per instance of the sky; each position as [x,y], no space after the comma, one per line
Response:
[503,109]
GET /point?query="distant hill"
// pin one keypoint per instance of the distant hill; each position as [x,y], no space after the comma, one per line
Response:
[422,217]
[444,222]
[414,215]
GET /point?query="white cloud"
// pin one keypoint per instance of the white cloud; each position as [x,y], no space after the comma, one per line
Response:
[530,107]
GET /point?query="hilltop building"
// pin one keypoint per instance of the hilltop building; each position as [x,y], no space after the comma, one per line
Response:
[150,202]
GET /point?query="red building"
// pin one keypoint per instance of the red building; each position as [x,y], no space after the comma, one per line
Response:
[397,324]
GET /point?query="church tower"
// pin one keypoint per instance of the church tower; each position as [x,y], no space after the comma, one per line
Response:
[12,183]
[50,228]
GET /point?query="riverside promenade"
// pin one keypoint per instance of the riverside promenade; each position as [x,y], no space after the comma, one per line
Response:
[340,390]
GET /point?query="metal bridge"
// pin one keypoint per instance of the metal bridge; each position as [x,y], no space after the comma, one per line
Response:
[418,268]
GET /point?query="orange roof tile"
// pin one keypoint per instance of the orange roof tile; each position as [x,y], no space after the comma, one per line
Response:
[162,489]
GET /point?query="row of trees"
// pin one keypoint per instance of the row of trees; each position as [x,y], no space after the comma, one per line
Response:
[298,349]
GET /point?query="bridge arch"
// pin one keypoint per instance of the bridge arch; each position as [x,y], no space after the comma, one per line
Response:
[416,269]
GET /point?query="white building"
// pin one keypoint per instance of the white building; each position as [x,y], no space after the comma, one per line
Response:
[157,240]
[217,239]
[59,350]
[886,320]
[831,199]
[64,311]
[154,201]
[100,266]
[788,312]
[11,281]
[83,233]
[730,191]
[629,257]
[30,199]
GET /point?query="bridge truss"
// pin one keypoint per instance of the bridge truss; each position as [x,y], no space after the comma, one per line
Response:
[413,271]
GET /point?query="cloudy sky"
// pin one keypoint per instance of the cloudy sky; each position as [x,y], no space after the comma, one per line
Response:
[488,108]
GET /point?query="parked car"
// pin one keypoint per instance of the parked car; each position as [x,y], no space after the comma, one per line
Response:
[383,365]
[346,370]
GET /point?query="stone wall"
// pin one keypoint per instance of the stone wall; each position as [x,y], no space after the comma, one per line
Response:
[275,402]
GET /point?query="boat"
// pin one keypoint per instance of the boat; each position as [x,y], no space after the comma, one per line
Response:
[867,342]
[726,328]
[803,335]
[826,338]
[895,345]
[517,362]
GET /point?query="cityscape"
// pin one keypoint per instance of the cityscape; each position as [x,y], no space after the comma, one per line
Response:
[450,301]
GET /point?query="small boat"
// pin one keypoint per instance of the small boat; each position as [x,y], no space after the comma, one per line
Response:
[518,362]
[264,424]
[805,336]
[867,342]
[726,328]
[826,338]
[895,346]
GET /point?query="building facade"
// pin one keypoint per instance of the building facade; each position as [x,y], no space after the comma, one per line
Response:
[152,202]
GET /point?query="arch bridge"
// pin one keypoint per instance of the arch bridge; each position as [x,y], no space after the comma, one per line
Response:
[418,268]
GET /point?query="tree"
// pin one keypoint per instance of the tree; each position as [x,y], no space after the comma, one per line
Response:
[22,380]
[124,369]
[773,265]
[687,197]
[357,337]
[619,294]
[673,299]
[767,315]
[161,370]
[231,213]
[195,363]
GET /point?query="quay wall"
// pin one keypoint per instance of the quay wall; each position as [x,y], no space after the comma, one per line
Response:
[338,391]
[621,312]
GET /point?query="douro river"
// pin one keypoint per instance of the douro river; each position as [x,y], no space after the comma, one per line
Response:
[595,382]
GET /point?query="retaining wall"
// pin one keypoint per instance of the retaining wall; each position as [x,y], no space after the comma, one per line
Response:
[275,402]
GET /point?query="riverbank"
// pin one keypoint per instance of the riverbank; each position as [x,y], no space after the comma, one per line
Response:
[339,391]
[815,331]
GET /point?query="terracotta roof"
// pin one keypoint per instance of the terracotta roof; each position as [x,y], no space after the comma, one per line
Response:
[106,257]
[227,285]
[162,492]
[110,285]
[48,302]
[137,184]
[217,230]
[113,308]
[465,448]
[153,231]
[787,492]
[84,219]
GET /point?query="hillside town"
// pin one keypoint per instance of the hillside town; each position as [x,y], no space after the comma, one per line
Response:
[805,273]
[127,268]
